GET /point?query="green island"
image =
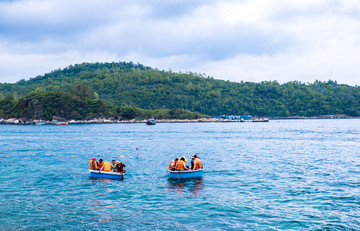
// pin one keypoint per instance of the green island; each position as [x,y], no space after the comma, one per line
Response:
[125,90]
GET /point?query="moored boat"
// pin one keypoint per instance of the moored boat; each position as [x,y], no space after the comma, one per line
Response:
[151,122]
[261,120]
[186,174]
[107,175]
[55,122]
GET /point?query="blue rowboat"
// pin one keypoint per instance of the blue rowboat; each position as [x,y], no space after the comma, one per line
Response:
[186,174]
[107,175]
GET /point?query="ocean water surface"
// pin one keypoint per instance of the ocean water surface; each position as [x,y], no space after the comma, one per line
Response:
[285,174]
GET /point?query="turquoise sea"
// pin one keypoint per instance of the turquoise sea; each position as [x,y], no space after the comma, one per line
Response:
[281,175]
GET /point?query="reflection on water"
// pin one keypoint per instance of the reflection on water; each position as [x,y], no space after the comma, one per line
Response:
[181,186]
[105,219]
[197,187]
[96,203]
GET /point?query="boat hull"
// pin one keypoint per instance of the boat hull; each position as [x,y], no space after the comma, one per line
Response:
[186,174]
[151,122]
[107,175]
[60,123]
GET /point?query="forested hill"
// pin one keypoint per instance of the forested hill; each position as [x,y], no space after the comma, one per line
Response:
[148,88]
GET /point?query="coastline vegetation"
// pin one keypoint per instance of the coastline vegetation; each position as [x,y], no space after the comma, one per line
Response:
[80,105]
[128,90]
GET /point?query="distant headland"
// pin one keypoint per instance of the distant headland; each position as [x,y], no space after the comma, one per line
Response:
[126,91]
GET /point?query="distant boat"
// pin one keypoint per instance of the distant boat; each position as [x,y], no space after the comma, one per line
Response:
[261,120]
[186,174]
[55,122]
[241,118]
[40,123]
[107,175]
[151,122]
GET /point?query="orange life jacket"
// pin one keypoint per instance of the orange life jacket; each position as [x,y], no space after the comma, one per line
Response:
[107,166]
[198,164]
[91,165]
[172,164]
[180,165]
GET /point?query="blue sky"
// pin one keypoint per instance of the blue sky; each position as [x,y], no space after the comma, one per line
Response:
[239,40]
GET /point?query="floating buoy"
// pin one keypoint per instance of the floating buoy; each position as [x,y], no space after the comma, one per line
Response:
[34,155]
[48,155]
[73,156]
[7,156]
[60,155]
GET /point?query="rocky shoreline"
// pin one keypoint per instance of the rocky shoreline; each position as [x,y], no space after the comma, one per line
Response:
[22,121]
[16,121]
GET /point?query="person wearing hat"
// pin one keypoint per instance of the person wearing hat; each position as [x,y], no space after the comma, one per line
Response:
[193,161]
[93,164]
[185,161]
[120,167]
[181,164]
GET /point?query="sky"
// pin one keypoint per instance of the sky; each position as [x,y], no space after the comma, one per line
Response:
[243,40]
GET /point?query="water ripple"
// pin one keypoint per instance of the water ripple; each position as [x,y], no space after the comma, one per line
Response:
[292,175]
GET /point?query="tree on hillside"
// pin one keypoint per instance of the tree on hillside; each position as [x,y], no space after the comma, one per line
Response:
[126,84]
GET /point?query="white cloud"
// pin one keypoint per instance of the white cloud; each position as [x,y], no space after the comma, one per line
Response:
[237,40]
[38,64]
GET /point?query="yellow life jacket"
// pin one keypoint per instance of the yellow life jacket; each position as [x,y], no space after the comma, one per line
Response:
[107,166]
[91,165]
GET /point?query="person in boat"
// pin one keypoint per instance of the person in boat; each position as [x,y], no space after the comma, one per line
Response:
[185,161]
[113,166]
[197,163]
[106,166]
[120,167]
[181,165]
[93,164]
[172,164]
[193,161]
[100,165]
